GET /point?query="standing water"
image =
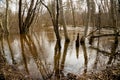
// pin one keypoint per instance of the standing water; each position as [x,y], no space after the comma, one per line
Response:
[39,56]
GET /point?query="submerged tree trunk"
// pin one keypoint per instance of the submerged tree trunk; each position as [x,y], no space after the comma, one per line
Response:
[63,21]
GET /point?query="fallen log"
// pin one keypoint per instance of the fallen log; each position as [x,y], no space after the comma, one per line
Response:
[104,35]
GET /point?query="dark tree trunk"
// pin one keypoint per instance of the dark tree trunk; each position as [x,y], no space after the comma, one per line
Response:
[24,25]
[54,18]
[63,22]
[20,16]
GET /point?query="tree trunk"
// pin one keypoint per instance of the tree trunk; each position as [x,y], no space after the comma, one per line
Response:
[63,21]
[20,16]
[6,17]
[54,17]
[56,24]
[87,23]
[114,21]
[73,13]
[26,21]
[87,18]
[119,5]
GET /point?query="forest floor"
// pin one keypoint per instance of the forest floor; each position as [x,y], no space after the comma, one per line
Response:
[110,73]
[11,72]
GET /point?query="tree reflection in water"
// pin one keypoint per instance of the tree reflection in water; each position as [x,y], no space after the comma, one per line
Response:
[59,61]
[113,50]
[42,58]
[5,39]
[77,52]
[27,43]
[85,58]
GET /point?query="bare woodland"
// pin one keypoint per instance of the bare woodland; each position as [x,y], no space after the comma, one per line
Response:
[96,19]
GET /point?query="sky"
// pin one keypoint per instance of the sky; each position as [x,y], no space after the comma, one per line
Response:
[14,7]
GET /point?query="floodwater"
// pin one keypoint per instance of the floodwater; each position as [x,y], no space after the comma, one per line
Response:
[39,56]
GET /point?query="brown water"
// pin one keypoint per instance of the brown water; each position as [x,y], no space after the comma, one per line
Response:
[39,56]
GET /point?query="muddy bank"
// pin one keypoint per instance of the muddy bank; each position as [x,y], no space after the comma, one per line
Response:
[110,73]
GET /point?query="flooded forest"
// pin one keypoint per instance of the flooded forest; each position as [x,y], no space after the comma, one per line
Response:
[59,39]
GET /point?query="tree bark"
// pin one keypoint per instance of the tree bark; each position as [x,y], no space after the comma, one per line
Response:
[114,21]
[24,25]
[87,18]
[54,19]
[6,17]
[73,12]
[119,5]
[20,16]
[63,21]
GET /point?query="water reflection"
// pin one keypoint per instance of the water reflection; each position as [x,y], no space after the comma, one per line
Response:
[113,50]
[2,45]
[40,56]
[97,54]
[77,52]
[23,41]
[59,60]
[85,57]
[5,40]
[57,56]
[64,56]
[27,44]
[77,45]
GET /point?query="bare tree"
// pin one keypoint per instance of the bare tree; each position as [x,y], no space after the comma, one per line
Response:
[87,22]
[63,21]
[73,12]
[6,17]
[54,17]
[88,18]
[119,5]
[114,21]
[24,24]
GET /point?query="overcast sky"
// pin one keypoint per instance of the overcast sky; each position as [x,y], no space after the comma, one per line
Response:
[14,7]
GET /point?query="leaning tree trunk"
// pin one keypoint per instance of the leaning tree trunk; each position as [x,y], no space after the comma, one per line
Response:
[6,17]
[26,21]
